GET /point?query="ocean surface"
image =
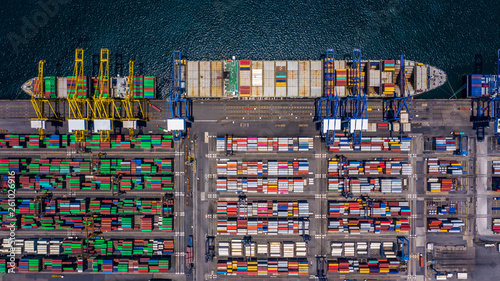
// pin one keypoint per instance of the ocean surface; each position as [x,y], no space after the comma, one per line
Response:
[443,33]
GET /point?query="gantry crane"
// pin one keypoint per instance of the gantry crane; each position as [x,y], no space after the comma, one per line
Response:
[330,116]
[403,241]
[321,263]
[131,117]
[80,108]
[89,233]
[38,101]
[176,117]
[90,227]
[105,109]
[354,109]
[394,107]
[39,199]
[487,107]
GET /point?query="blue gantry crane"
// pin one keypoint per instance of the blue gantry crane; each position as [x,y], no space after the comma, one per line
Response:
[320,268]
[330,115]
[485,101]
[404,254]
[480,115]
[333,111]
[463,144]
[305,237]
[178,107]
[395,106]
[353,109]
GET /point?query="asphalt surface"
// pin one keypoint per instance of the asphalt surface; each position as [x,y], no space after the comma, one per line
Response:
[196,195]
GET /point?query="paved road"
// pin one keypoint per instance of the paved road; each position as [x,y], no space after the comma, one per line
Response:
[286,118]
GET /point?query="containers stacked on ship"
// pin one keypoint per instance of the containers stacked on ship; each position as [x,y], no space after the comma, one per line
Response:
[138,87]
[77,91]
[149,87]
[245,78]
[479,85]
[280,71]
[254,79]
[49,87]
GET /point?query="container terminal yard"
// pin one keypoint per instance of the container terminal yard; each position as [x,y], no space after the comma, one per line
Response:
[339,185]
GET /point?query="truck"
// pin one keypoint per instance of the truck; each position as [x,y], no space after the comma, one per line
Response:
[189,251]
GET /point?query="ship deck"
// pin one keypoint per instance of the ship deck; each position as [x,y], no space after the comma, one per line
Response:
[305,79]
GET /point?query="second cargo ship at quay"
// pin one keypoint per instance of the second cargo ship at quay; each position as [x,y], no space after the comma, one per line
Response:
[271,79]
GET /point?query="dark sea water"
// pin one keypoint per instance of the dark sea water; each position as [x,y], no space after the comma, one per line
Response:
[446,34]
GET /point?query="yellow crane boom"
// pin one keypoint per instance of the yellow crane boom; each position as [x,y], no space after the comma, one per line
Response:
[131,117]
[38,101]
[105,108]
[80,109]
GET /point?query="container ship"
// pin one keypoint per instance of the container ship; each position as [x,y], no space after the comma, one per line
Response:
[305,79]
[268,79]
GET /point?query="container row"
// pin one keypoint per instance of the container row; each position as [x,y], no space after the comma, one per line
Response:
[97,246]
[56,264]
[262,144]
[366,185]
[91,142]
[441,184]
[262,168]
[371,144]
[89,182]
[440,209]
[364,266]
[262,185]
[129,265]
[387,249]
[452,167]
[378,166]
[263,267]
[368,209]
[444,225]
[495,167]
[98,206]
[269,226]
[362,226]
[495,226]
[86,166]
[445,144]
[100,224]
[263,209]
[238,248]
